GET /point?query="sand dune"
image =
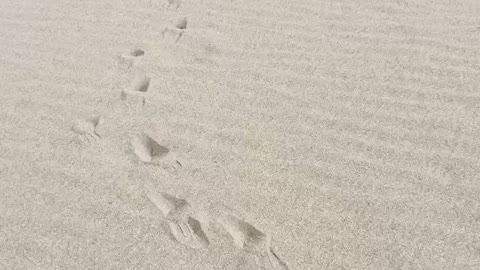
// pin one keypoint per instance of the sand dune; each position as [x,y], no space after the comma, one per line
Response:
[298,134]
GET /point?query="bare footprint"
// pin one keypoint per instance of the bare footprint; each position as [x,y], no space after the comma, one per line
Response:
[249,238]
[184,228]
[86,129]
[189,233]
[177,28]
[171,207]
[138,88]
[148,149]
[137,52]
[129,59]
[245,236]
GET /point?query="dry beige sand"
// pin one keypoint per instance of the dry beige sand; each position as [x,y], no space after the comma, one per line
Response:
[274,134]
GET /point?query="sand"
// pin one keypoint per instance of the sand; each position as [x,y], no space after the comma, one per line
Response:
[239,134]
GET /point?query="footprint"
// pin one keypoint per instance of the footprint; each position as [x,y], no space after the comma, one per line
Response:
[171,207]
[128,59]
[177,28]
[245,235]
[137,52]
[250,239]
[189,233]
[86,130]
[147,149]
[137,89]
[181,23]
[140,83]
[184,228]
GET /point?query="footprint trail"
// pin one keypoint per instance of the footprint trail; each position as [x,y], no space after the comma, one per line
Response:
[250,239]
[183,227]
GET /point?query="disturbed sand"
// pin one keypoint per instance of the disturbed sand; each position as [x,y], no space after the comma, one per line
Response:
[240,134]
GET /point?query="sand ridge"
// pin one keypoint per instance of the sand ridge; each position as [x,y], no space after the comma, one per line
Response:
[239,134]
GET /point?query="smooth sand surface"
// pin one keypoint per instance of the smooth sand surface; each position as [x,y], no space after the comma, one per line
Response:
[281,134]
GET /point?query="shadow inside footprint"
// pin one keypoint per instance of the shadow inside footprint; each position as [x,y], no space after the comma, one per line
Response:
[244,235]
[171,207]
[147,148]
[140,83]
[197,228]
[184,228]
[138,86]
[177,28]
[181,23]
[137,52]
[189,233]
[250,239]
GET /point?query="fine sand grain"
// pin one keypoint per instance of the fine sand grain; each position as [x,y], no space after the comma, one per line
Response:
[240,134]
